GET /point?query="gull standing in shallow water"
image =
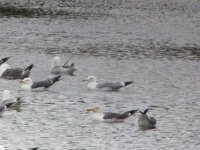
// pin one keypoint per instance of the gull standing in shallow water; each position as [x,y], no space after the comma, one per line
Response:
[111,86]
[111,117]
[6,72]
[146,122]
[66,68]
[28,84]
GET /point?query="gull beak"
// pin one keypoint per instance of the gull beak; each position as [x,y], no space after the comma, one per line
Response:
[20,81]
[19,97]
[84,80]
[89,109]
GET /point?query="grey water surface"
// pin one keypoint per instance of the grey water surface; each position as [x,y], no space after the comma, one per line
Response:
[155,43]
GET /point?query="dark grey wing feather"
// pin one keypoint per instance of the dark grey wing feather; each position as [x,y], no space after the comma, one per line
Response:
[6,101]
[37,84]
[35,148]
[15,73]
[113,86]
[3,60]
[9,105]
[12,73]
[110,115]
[45,83]
[123,115]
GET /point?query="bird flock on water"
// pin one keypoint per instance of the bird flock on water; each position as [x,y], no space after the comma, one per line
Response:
[22,75]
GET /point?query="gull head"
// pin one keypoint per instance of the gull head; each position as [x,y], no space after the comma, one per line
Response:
[90,79]
[19,101]
[6,95]
[94,109]
[26,81]
[56,61]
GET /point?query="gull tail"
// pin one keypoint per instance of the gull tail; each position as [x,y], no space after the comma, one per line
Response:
[127,83]
[55,79]
[29,67]
[144,112]
[4,60]
[127,114]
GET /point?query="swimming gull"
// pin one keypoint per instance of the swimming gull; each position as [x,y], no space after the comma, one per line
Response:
[111,117]
[3,60]
[146,122]
[112,86]
[66,68]
[7,72]
[16,105]
[28,84]
[11,103]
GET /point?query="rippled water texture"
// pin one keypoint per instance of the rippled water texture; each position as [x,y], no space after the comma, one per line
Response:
[155,43]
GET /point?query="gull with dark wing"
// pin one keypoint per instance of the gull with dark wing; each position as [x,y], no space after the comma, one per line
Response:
[111,86]
[66,68]
[7,72]
[3,60]
[146,122]
[28,84]
[16,105]
[11,103]
[111,117]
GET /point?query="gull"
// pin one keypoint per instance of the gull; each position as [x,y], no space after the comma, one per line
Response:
[28,84]
[10,103]
[14,105]
[6,72]
[111,86]
[146,122]
[110,117]
[66,68]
